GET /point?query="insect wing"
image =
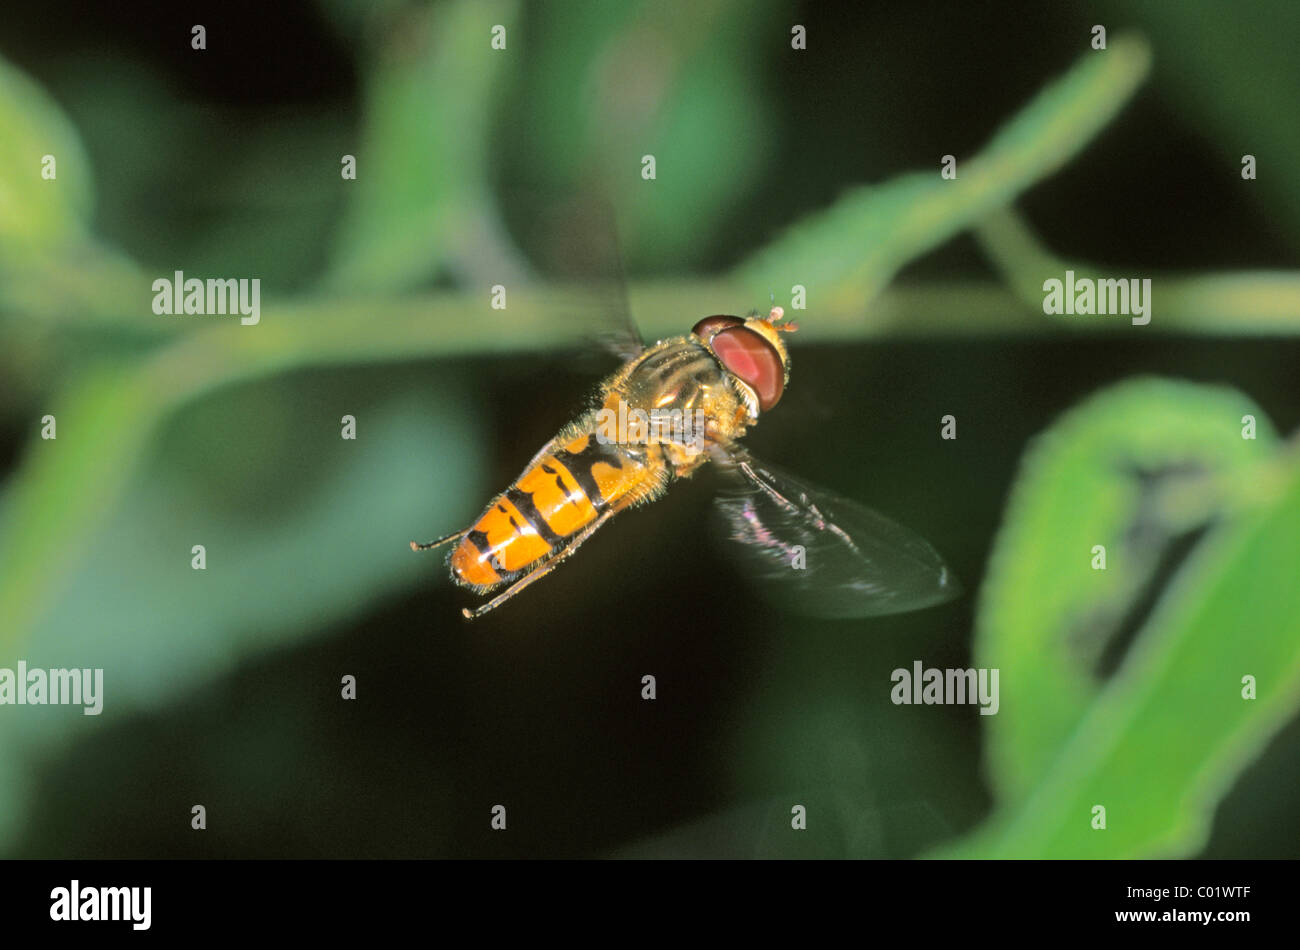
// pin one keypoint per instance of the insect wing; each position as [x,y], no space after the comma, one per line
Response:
[573,239]
[823,555]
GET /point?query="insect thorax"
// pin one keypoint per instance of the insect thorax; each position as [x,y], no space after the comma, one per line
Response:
[677,374]
[679,379]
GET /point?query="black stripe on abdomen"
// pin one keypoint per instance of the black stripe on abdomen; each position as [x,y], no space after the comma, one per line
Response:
[480,542]
[524,502]
[580,464]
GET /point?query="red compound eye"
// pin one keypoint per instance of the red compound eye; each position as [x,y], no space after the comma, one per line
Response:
[753,359]
[711,325]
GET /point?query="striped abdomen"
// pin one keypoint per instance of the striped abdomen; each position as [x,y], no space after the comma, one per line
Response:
[564,491]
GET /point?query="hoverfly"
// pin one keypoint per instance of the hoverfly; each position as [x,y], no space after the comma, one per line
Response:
[828,556]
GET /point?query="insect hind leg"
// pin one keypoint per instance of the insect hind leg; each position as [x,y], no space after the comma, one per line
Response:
[539,572]
[430,545]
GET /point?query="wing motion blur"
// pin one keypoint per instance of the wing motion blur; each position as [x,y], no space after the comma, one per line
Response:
[573,241]
[820,554]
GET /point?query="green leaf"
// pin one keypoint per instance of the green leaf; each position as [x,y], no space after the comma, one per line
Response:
[604,85]
[846,255]
[421,185]
[119,592]
[1159,742]
[50,268]
[1229,302]
[34,211]
[1222,69]
[106,417]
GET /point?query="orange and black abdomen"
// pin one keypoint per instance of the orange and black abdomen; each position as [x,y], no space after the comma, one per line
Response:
[563,492]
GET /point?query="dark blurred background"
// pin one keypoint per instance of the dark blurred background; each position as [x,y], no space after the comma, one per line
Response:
[210,163]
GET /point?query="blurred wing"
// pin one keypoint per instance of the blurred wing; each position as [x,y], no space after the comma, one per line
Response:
[855,561]
[572,238]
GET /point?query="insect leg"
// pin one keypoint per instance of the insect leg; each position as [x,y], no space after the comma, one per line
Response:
[541,571]
[818,519]
[429,545]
